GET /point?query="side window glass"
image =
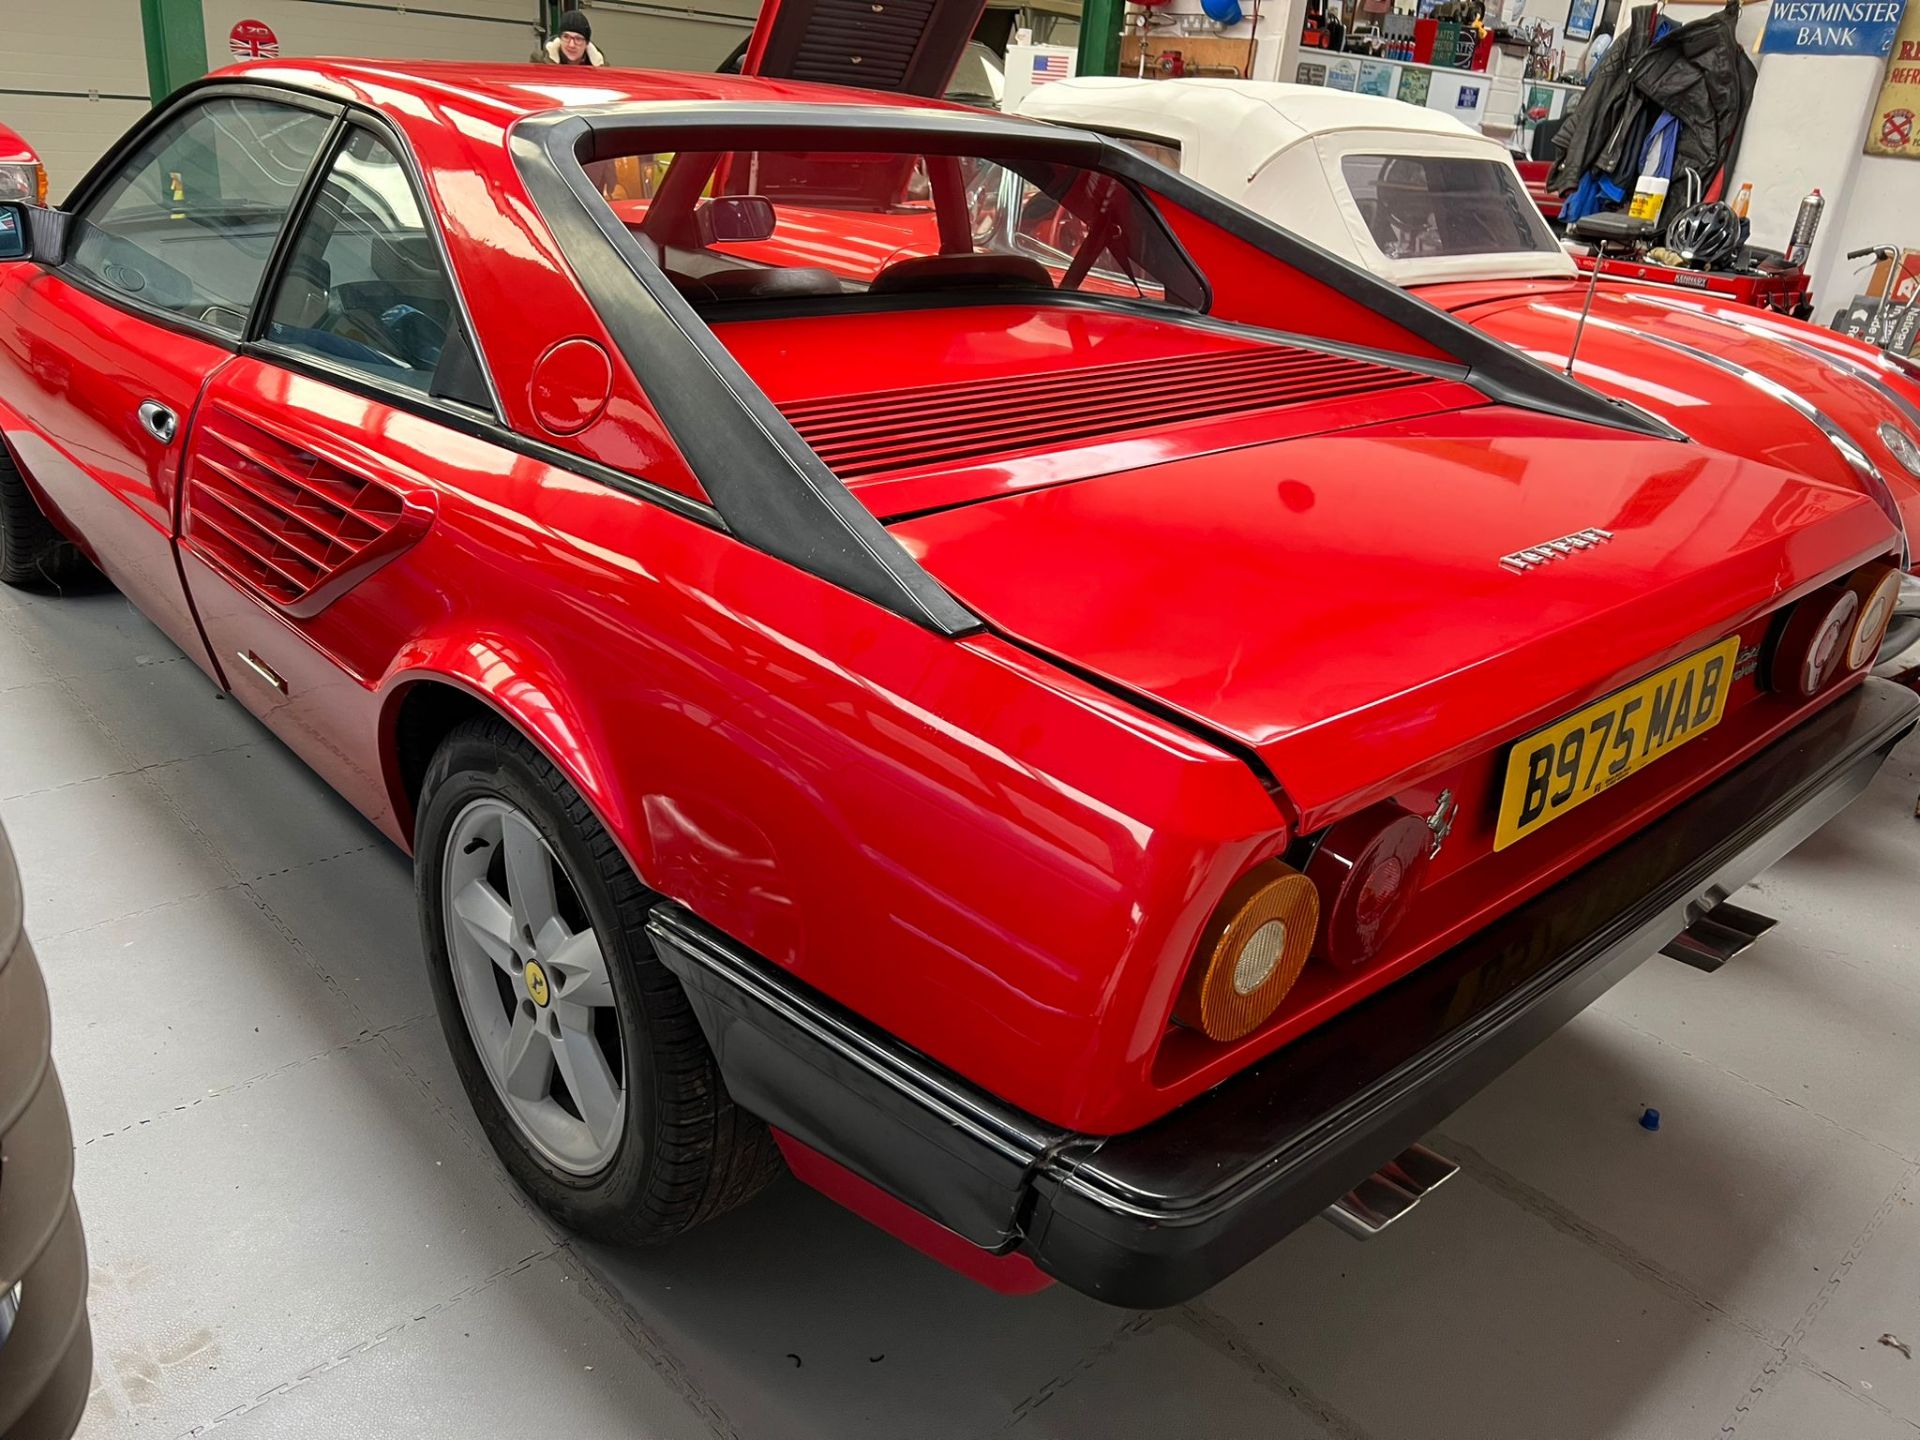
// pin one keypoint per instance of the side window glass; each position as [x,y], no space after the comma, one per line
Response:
[188,224]
[364,286]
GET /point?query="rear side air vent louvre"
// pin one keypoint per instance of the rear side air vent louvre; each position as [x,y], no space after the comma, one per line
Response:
[294,528]
[889,431]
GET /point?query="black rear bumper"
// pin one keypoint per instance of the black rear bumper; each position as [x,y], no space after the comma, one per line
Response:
[46,1349]
[1155,1216]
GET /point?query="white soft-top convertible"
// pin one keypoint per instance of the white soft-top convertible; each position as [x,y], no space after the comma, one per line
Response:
[1409,193]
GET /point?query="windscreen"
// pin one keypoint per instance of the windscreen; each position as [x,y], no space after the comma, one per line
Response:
[767,225]
[1419,206]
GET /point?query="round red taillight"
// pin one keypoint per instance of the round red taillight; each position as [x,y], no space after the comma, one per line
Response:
[1878,587]
[1813,645]
[1368,868]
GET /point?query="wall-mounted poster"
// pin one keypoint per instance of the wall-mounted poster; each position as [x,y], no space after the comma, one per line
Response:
[1343,75]
[1414,85]
[1306,73]
[1376,79]
[1892,129]
[1580,19]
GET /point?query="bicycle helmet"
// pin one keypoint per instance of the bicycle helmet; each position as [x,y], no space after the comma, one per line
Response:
[1707,236]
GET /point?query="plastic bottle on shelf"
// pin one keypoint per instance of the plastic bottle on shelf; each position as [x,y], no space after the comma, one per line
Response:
[1743,202]
[1650,190]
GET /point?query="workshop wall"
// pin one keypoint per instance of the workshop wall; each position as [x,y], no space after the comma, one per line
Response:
[1278,33]
[448,30]
[670,37]
[1808,130]
[73,77]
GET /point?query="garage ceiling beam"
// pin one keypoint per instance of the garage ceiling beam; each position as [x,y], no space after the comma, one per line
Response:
[176,32]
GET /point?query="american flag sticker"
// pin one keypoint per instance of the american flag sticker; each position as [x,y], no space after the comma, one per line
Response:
[1048,68]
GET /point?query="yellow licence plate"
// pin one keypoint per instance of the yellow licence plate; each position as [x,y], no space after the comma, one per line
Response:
[1572,760]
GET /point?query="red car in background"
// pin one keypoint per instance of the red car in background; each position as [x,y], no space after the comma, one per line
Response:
[1090,740]
[22,176]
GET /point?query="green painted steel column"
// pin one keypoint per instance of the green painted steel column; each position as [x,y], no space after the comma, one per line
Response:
[1100,22]
[176,33]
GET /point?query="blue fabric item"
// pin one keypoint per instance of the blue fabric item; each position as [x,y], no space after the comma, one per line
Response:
[321,342]
[1593,194]
[420,338]
[1658,157]
[1227,12]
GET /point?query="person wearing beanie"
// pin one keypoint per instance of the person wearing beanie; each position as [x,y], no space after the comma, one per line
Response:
[572,42]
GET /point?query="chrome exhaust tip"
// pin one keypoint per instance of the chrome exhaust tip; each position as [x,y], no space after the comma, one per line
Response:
[1390,1192]
[1899,655]
[1717,936]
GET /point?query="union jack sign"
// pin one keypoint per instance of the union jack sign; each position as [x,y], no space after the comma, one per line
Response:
[253,40]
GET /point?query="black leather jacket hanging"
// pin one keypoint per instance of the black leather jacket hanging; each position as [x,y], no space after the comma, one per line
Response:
[1698,71]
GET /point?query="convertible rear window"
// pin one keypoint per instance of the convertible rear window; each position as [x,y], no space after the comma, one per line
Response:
[1418,206]
[768,225]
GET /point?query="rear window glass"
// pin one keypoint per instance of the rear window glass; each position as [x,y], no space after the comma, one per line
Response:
[767,225]
[1418,206]
[1164,152]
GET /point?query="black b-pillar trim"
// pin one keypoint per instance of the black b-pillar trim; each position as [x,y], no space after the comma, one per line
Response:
[770,490]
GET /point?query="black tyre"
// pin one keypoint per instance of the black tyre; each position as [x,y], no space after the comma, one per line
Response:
[32,552]
[577,1047]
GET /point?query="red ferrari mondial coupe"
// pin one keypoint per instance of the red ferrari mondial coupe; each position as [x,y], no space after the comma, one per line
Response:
[1089,740]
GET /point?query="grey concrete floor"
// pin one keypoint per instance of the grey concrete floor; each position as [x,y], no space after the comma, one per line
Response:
[296,1229]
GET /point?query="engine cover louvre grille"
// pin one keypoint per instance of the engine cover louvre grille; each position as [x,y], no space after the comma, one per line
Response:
[860,42]
[887,431]
[280,520]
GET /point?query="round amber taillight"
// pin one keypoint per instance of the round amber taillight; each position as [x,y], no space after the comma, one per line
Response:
[1251,952]
[1368,869]
[1878,587]
[1814,643]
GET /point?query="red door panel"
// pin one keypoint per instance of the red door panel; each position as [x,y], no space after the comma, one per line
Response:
[286,512]
[77,370]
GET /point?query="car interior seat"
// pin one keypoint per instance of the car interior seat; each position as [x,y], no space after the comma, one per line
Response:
[961,272]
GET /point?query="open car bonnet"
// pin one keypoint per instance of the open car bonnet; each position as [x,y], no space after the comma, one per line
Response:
[912,48]
[1317,599]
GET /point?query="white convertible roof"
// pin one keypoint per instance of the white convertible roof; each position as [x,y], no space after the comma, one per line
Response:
[1277,150]
[1250,120]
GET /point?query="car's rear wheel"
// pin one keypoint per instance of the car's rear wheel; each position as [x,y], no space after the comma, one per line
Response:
[32,552]
[576,1046]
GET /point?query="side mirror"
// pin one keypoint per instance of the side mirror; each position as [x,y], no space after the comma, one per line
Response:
[734,218]
[15,241]
[32,232]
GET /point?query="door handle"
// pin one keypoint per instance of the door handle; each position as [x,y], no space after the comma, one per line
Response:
[158,421]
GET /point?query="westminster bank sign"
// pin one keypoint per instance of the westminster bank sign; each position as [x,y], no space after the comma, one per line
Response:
[1832,27]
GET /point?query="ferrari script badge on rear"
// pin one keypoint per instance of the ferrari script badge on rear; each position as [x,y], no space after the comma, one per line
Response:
[1538,555]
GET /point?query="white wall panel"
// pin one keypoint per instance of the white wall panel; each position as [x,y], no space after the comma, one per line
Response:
[663,36]
[501,30]
[73,77]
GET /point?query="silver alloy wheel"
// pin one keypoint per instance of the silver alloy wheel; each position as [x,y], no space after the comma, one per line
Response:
[532,978]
